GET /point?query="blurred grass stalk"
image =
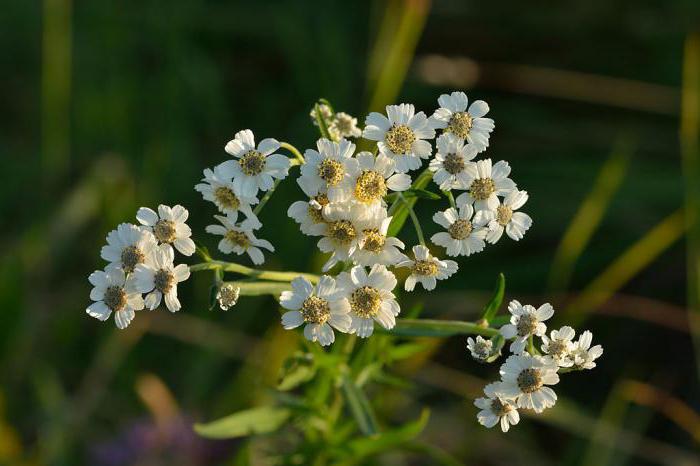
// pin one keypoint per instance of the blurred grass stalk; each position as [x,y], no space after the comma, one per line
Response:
[589,215]
[690,153]
[56,87]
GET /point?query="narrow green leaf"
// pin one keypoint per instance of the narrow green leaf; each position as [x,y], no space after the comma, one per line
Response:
[491,308]
[254,421]
[360,407]
[213,291]
[399,210]
[295,371]
[422,194]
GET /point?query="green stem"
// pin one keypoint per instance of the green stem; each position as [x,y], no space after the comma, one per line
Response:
[293,150]
[414,219]
[451,198]
[250,272]
[437,328]
[260,288]
[322,127]
[269,194]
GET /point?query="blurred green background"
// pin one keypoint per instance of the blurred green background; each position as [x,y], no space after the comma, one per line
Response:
[113,105]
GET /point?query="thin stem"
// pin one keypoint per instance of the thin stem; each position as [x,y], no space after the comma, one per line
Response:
[269,194]
[260,288]
[414,219]
[293,150]
[250,272]
[451,198]
[437,328]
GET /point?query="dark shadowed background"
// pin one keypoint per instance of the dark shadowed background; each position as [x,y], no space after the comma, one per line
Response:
[111,105]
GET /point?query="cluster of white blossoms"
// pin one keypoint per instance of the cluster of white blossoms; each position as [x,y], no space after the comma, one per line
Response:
[347,207]
[141,262]
[528,373]
[340,124]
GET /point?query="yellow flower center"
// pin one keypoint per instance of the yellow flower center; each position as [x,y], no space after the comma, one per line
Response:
[238,238]
[500,408]
[115,298]
[164,231]
[460,229]
[331,171]
[317,214]
[482,188]
[460,124]
[527,324]
[253,163]
[163,280]
[342,232]
[315,310]
[365,301]
[503,214]
[226,198]
[530,380]
[557,349]
[131,255]
[370,186]
[374,240]
[425,267]
[399,139]
[453,163]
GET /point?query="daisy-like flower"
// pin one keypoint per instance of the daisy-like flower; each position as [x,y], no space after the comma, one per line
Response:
[559,346]
[505,217]
[480,349]
[488,183]
[160,277]
[328,169]
[309,215]
[495,409]
[371,298]
[375,247]
[240,239]
[321,307]
[227,296]
[451,166]
[583,354]
[402,136]
[168,226]
[344,126]
[466,123]
[256,166]
[342,234]
[524,322]
[372,178]
[128,246]
[465,235]
[426,269]
[525,379]
[216,188]
[112,294]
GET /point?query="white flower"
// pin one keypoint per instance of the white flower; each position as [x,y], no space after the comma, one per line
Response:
[309,215]
[371,179]
[344,126]
[505,218]
[559,346]
[325,113]
[496,409]
[218,189]
[426,269]
[128,246]
[584,356]
[451,166]
[327,170]
[524,322]
[470,124]
[480,349]
[255,167]
[342,234]
[240,239]
[402,136]
[168,226]
[371,298]
[375,247]
[524,379]
[488,183]
[112,294]
[227,296]
[160,277]
[464,235]
[321,307]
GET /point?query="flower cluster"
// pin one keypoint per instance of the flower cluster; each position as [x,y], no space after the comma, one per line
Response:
[528,374]
[141,261]
[340,124]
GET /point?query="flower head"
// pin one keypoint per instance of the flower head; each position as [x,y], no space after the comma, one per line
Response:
[159,278]
[374,246]
[321,307]
[239,238]
[469,124]
[451,166]
[488,182]
[326,171]
[128,246]
[505,218]
[168,226]
[112,292]
[583,354]
[525,322]
[227,296]
[426,269]
[465,235]
[343,125]
[342,232]
[371,298]
[401,135]
[372,178]
[255,167]
[495,409]
[217,188]
[559,345]
[525,379]
[309,215]
[480,349]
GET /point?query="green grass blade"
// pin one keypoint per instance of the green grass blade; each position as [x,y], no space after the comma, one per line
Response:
[254,421]
[360,407]
[494,304]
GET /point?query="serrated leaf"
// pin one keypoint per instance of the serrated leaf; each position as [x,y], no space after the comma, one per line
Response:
[496,300]
[254,421]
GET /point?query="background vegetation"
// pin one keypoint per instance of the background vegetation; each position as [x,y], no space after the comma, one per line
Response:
[113,105]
